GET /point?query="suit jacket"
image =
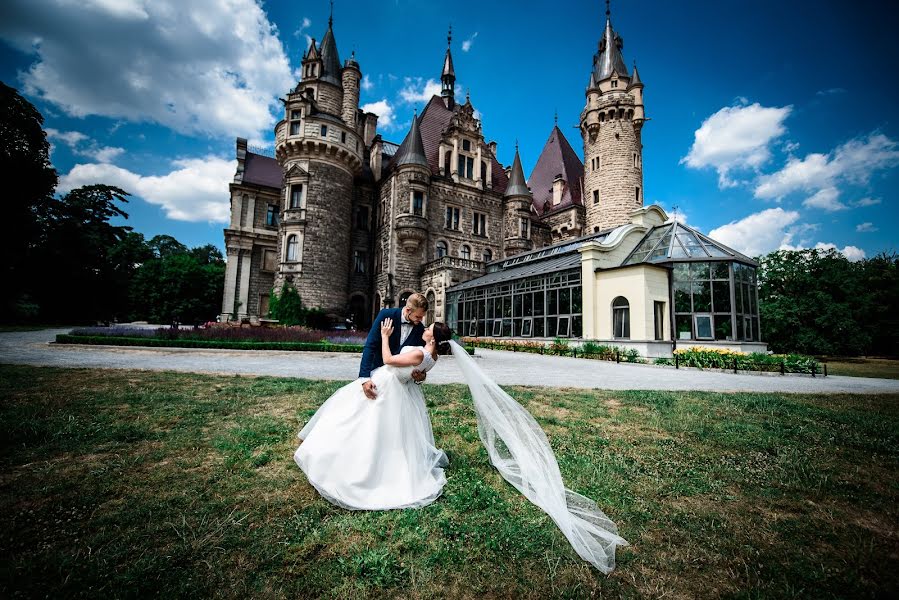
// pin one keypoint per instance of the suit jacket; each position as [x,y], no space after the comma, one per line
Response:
[371,352]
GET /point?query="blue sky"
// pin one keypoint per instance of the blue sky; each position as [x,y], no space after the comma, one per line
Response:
[773,124]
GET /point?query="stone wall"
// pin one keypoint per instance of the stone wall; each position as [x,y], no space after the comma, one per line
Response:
[616,176]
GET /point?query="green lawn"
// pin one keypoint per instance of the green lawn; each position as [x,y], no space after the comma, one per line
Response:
[886,368]
[126,483]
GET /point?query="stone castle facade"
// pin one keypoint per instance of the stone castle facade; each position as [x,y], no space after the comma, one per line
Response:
[356,223]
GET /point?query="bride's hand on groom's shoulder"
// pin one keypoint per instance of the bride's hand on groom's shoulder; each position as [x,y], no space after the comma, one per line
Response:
[386,327]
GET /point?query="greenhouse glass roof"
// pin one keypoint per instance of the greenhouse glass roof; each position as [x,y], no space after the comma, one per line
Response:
[678,242]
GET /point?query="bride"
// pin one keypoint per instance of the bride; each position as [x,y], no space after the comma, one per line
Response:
[379,454]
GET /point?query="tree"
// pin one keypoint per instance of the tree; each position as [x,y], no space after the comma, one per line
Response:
[880,276]
[286,306]
[814,302]
[25,160]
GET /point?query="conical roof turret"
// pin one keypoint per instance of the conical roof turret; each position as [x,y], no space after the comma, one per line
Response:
[412,150]
[517,185]
[609,58]
[635,78]
[448,75]
[330,57]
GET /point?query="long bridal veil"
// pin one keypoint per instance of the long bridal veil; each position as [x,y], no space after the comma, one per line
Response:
[519,450]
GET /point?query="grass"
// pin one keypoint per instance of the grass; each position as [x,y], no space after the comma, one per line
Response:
[127,483]
[886,368]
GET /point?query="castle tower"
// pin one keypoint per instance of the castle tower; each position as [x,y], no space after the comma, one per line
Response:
[448,76]
[517,203]
[320,150]
[611,124]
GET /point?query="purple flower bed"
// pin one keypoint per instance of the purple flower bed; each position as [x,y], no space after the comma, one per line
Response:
[232,334]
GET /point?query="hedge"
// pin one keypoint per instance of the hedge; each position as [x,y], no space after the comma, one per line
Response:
[226,345]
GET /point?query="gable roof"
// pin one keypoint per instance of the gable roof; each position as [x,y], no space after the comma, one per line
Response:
[556,158]
[262,170]
[432,123]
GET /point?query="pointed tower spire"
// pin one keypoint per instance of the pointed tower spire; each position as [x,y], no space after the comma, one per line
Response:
[412,150]
[448,76]
[635,78]
[609,57]
[517,185]
[330,57]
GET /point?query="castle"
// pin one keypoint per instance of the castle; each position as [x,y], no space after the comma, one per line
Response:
[356,223]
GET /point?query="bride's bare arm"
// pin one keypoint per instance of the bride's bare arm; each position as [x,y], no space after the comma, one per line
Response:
[406,359]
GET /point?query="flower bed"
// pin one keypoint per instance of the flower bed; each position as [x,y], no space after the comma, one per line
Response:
[720,358]
[560,347]
[229,334]
[321,346]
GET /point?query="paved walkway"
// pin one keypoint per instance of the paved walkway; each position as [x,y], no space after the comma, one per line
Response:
[507,368]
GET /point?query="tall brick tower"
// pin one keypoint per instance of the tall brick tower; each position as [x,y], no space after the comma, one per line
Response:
[320,147]
[610,125]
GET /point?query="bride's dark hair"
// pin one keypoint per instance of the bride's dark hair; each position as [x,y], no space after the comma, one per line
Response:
[442,335]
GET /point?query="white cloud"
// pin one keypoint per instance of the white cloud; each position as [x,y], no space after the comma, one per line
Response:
[195,67]
[196,190]
[466,45]
[866,227]
[862,202]
[415,89]
[366,83]
[384,110]
[759,233]
[70,138]
[304,25]
[853,162]
[82,145]
[826,199]
[852,253]
[105,154]
[736,138]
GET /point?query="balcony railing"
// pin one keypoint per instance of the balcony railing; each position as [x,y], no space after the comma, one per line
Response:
[454,262]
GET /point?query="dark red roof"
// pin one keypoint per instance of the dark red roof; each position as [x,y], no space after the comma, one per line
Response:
[262,170]
[557,158]
[434,121]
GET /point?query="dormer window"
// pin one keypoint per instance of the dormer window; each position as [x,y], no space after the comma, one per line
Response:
[466,145]
[614,83]
[466,166]
[296,195]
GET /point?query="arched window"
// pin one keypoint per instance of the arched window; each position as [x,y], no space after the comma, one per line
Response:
[488,255]
[292,248]
[432,302]
[621,318]
[465,252]
[441,249]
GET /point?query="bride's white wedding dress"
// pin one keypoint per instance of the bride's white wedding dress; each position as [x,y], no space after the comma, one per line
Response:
[376,454]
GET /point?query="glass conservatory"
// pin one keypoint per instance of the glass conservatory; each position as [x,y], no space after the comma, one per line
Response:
[715,288]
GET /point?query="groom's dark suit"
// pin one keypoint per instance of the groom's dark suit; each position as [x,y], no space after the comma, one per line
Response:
[371,353]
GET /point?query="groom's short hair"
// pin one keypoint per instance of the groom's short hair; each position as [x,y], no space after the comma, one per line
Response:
[417,302]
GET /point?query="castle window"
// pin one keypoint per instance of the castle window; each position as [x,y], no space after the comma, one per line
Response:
[359,258]
[637,193]
[343,137]
[452,218]
[524,230]
[295,128]
[488,255]
[269,260]
[295,115]
[479,226]
[324,131]
[296,195]
[595,196]
[635,159]
[418,203]
[621,318]
[441,249]
[615,83]
[465,252]
[466,145]
[466,167]
[483,171]
[271,216]
[362,218]
[293,248]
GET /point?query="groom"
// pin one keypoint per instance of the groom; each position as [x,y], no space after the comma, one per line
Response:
[409,318]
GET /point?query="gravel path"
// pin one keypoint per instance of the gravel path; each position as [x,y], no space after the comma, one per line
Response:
[507,368]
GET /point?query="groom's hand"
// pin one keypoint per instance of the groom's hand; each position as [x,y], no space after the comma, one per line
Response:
[419,376]
[370,391]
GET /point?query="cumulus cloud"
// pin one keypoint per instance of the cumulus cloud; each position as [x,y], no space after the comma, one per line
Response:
[416,89]
[759,233]
[736,138]
[862,202]
[866,227]
[827,199]
[466,45]
[366,83]
[852,253]
[195,67]
[384,110]
[853,162]
[195,190]
[83,145]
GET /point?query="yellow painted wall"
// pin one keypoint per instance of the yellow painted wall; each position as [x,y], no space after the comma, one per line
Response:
[642,285]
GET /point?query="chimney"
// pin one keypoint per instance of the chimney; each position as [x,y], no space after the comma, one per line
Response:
[371,127]
[374,161]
